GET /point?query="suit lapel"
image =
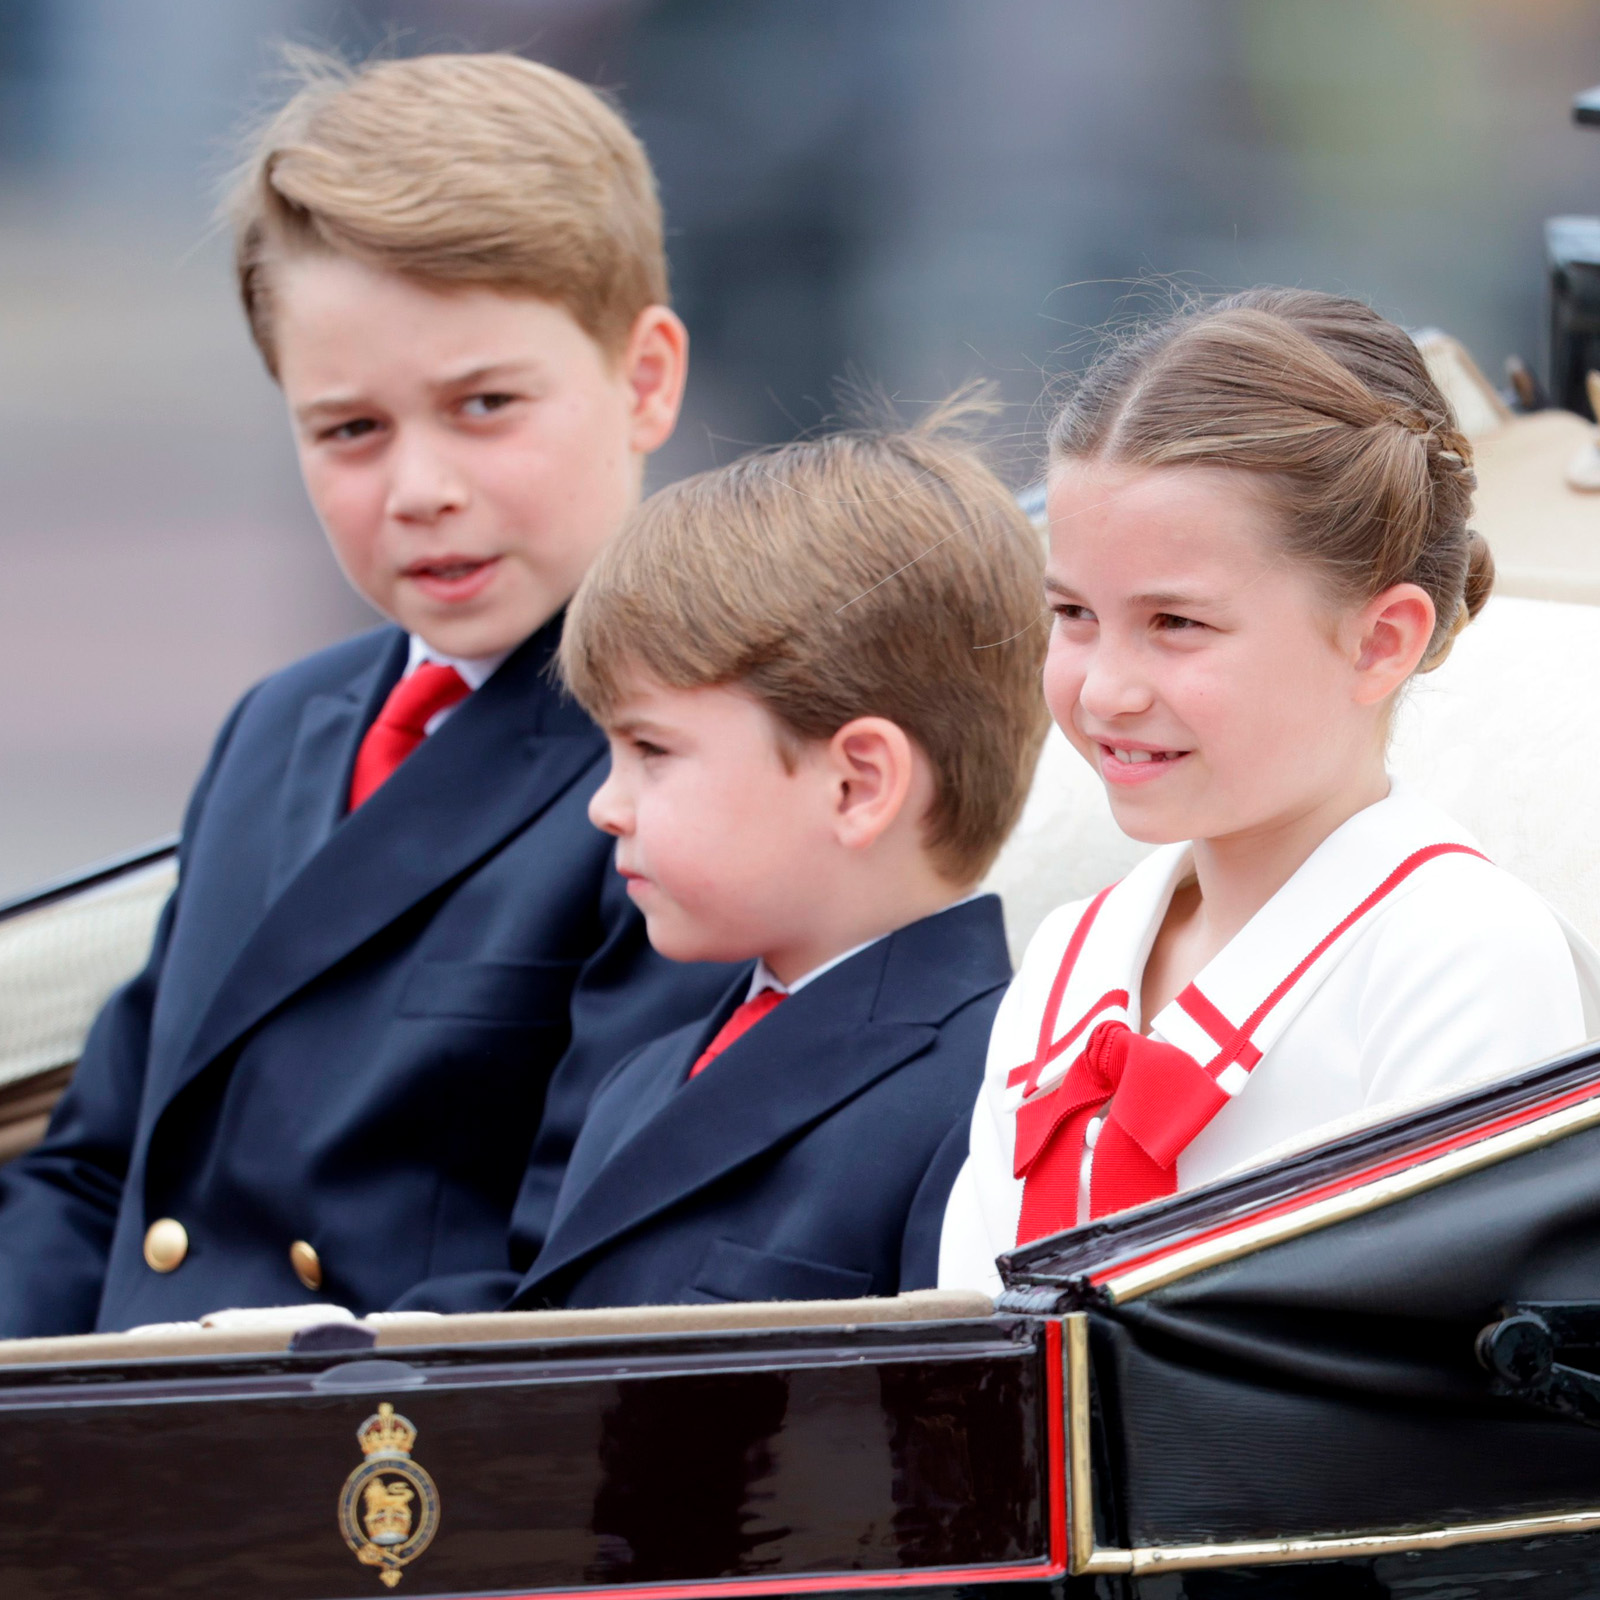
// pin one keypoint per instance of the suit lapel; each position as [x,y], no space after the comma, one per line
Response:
[316,780]
[841,1033]
[511,750]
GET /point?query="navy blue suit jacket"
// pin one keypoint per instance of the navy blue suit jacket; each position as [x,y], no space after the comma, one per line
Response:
[347,1023]
[800,1163]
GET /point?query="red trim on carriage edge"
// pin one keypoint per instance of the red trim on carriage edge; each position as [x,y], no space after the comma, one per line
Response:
[1053,1566]
[1354,1180]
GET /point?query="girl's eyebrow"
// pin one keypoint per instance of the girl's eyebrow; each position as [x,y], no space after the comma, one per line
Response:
[1152,599]
[1168,599]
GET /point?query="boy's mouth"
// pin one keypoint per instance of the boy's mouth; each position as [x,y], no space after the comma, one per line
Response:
[452,578]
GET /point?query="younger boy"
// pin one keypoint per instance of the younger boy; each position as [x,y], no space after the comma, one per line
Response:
[392,918]
[819,672]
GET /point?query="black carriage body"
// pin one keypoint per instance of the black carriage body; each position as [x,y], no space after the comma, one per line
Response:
[747,1461]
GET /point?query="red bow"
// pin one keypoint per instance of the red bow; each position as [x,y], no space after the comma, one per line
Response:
[1157,1098]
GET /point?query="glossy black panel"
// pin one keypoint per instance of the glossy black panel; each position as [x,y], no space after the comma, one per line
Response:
[557,1466]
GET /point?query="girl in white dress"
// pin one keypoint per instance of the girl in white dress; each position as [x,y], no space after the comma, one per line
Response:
[1258,533]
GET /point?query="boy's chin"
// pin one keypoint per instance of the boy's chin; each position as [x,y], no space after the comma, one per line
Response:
[478,634]
[669,937]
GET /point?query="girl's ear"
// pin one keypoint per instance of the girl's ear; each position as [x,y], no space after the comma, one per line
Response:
[1393,632]
[655,364]
[872,768]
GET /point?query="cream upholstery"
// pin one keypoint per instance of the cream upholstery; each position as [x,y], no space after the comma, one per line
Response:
[239,1332]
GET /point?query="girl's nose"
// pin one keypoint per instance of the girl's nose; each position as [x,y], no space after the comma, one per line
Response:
[1113,686]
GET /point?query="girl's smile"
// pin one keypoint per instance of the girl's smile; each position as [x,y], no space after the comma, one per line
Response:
[1126,762]
[1208,679]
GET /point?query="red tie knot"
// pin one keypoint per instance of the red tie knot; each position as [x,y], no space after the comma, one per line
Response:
[744,1018]
[1105,1056]
[421,695]
[402,725]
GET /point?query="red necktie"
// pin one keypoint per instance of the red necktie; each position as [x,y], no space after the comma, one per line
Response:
[1156,1098]
[741,1022]
[403,724]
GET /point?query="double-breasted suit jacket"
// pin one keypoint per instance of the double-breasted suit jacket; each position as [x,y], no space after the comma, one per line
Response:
[790,1167]
[344,1033]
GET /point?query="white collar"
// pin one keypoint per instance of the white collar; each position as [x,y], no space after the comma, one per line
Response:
[764,978]
[475,670]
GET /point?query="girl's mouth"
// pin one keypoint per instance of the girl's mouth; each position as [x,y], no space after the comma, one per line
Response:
[1126,764]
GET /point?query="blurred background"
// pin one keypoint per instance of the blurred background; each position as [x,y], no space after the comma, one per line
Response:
[909,192]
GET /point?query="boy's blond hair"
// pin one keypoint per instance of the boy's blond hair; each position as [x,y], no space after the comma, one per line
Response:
[864,573]
[454,170]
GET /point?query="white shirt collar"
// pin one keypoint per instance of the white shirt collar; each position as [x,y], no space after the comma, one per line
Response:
[476,670]
[763,977]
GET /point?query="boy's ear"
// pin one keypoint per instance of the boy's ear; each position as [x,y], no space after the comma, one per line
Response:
[655,363]
[1395,628]
[874,768]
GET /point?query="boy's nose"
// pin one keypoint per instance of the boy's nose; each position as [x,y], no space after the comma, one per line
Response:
[608,810]
[424,485]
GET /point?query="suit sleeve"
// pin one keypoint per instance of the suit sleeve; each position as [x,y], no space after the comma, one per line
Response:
[59,1201]
[919,1250]
[625,996]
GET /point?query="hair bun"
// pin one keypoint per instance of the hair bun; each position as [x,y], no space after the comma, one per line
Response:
[1480,574]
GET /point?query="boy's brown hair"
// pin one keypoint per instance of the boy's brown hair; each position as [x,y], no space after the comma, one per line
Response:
[454,170]
[863,573]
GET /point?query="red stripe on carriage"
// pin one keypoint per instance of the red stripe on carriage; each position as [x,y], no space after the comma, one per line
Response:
[823,1583]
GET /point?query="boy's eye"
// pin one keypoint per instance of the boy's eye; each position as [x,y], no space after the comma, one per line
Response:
[484,405]
[344,432]
[1168,622]
[646,749]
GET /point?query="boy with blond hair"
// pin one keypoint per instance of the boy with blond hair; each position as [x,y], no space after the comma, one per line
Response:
[392,918]
[819,672]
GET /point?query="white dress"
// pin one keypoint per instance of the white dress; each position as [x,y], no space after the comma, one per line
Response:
[1396,965]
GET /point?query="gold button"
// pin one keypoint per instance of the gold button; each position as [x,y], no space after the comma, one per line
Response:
[307,1265]
[166,1243]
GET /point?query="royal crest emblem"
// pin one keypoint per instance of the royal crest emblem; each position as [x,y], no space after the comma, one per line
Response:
[389,1507]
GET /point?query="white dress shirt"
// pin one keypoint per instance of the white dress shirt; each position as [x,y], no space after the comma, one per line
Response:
[475,672]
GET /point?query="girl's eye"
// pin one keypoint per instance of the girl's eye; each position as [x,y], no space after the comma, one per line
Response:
[1074,613]
[345,432]
[485,405]
[1168,623]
